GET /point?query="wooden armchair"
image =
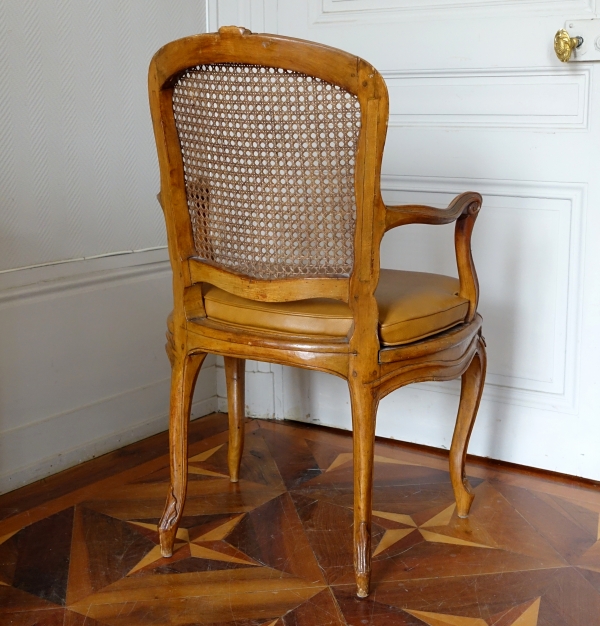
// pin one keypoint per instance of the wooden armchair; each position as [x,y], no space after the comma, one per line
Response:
[270,155]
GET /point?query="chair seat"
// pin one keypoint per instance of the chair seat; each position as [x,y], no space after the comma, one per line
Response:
[412,306]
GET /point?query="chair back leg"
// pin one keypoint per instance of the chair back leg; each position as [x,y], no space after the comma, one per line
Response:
[184,374]
[470,396]
[235,375]
[364,408]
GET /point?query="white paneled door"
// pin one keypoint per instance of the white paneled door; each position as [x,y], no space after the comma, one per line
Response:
[478,101]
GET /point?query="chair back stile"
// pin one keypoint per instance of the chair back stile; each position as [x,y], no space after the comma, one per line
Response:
[364,342]
[266,144]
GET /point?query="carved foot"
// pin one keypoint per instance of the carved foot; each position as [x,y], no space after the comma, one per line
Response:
[362,585]
[167,539]
[464,499]
[167,528]
[362,560]
[470,396]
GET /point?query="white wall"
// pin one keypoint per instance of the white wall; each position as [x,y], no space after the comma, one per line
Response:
[468,112]
[82,362]
[82,365]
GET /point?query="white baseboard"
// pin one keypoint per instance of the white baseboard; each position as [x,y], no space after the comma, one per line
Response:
[61,441]
[260,396]
[83,369]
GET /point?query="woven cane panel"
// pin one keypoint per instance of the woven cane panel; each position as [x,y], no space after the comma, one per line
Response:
[269,169]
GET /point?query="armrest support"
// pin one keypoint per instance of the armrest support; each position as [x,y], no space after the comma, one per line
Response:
[463,209]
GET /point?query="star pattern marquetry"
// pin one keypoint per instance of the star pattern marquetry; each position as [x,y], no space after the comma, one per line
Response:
[524,615]
[427,529]
[346,457]
[276,550]
[210,545]
[439,619]
[195,467]
[393,536]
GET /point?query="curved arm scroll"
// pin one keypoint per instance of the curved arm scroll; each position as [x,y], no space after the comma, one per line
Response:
[463,209]
[465,203]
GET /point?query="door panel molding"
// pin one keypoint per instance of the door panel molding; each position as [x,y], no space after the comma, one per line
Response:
[533,348]
[257,15]
[328,11]
[522,98]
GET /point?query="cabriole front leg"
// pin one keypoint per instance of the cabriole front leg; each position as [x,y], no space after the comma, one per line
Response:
[183,380]
[470,396]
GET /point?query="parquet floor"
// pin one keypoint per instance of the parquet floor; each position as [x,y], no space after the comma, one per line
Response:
[275,550]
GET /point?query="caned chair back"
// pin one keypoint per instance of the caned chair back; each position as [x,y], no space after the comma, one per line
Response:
[268,156]
[270,150]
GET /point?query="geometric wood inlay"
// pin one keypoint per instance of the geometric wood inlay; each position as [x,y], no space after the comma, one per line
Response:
[276,548]
[437,619]
[346,457]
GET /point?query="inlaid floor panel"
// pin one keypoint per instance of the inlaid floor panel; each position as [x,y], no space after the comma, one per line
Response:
[275,549]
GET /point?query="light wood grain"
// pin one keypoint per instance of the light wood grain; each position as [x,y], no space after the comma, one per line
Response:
[371,372]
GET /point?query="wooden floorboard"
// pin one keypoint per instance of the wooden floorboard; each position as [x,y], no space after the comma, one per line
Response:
[101,467]
[81,548]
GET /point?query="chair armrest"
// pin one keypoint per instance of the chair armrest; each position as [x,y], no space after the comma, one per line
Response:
[469,202]
[463,209]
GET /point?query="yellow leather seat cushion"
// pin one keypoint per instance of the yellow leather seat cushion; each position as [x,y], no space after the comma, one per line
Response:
[412,306]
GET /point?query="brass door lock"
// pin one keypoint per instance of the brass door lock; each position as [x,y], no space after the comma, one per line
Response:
[564,45]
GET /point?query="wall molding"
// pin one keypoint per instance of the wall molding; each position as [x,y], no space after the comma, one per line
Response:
[261,396]
[260,16]
[78,168]
[60,404]
[94,280]
[20,443]
[332,11]
[76,268]
[521,98]
[559,393]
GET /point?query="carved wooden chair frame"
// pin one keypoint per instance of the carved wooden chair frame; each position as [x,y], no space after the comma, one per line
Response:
[372,371]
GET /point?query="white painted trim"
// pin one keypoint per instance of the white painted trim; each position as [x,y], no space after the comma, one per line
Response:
[114,409]
[35,444]
[561,395]
[278,391]
[365,11]
[257,15]
[41,291]
[515,85]
[270,16]
[79,268]
[83,258]
[210,15]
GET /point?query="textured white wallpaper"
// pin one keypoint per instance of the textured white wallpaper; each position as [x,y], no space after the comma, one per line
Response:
[78,171]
